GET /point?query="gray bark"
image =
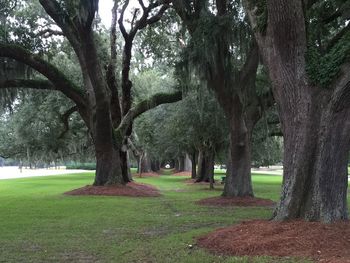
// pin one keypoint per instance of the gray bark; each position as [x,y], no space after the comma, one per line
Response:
[315,121]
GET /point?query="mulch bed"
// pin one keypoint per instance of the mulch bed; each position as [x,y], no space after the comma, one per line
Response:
[151,174]
[131,189]
[188,174]
[235,201]
[300,239]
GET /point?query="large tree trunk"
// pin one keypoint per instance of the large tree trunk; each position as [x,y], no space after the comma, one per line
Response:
[315,176]
[108,168]
[315,121]
[238,176]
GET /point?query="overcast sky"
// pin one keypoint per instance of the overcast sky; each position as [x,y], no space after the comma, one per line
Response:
[104,9]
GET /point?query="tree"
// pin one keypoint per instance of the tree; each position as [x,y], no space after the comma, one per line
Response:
[42,128]
[226,58]
[107,116]
[305,46]
[196,126]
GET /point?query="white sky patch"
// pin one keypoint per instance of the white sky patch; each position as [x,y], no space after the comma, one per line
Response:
[105,10]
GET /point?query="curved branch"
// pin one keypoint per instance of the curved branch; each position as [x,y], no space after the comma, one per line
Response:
[145,105]
[27,83]
[65,120]
[54,75]
[121,18]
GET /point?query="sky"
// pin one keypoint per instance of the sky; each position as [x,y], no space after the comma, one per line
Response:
[104,9]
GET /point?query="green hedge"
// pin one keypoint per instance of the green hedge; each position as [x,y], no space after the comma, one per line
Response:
[81,166]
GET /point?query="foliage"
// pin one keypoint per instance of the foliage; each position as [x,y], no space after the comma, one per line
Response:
[34,131]
[81,166]
[267,140]
[328,40]
[172,130]
[324,67]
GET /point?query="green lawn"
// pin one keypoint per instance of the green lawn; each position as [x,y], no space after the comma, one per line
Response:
[40,224]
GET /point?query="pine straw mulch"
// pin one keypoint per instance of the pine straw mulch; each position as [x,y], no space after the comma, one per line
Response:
[300,239]
[235,201]
[131,189]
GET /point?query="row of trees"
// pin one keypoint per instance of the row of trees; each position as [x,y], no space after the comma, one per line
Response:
[296,50]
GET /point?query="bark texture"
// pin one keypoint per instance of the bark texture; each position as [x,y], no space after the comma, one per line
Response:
[206,158]
[315,121]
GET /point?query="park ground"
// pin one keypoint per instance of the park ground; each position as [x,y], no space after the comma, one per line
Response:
[41,224]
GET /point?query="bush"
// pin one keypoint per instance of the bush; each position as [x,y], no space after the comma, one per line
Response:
[81,166]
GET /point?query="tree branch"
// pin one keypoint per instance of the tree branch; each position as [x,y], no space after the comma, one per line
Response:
[65,120]
[55,76]
[49,32]
[121,18]
[110,73]
[145,105]
[27,83]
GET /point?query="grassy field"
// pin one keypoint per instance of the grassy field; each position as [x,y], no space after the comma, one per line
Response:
[40,224]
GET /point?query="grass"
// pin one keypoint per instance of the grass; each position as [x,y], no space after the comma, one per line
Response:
[40,224]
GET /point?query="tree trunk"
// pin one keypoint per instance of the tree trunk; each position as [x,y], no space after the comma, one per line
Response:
[194,164]
[108,168]
[187,163]
[315,121]
[315,177]
[205,165]
[145,164]
[125,166]
[238,176]
[181,164]
[155,167]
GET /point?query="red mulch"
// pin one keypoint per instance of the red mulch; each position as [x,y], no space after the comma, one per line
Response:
[235,201]
[313,240]
[131,189]
[151,174]
[188,174]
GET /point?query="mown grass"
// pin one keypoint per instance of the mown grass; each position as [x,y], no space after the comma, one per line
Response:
[40,224]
